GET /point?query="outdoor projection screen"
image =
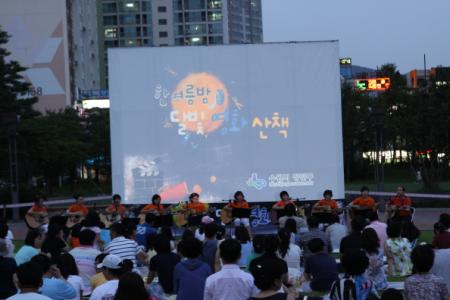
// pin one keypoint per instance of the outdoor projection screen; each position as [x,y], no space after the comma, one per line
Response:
[258,118]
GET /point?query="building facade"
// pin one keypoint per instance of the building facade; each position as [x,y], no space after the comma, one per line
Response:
[140,23]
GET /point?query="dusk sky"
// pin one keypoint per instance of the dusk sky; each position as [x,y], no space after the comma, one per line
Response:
[370,32]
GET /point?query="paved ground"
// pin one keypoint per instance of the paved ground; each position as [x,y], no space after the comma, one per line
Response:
[424,219]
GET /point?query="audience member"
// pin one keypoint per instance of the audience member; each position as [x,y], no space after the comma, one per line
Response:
[397,251]
[8,268]
[230,282]
[422,284]
[354,285]
[200,231]
[243,236]
[145,230]
[210,245]
[167,231]
[353,240]
[257,251]
[29,281]
[163,264]
[294,233]
[54,243]
[92,222]
[379,227]
[320,269]
[289,252]
[441,266]
[85,257]
[271,245]
[441,239]
[123,247]
[112,270]
[375,271]
[190,274]
[6,236]
[410,232]
[290,211]
[132,287]
[54,286]
[98,279]
[336,232]
[268,278]
[31,247]
[314,232]
[69,271]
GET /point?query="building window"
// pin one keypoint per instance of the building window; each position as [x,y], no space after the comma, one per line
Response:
[194,4]
[162,22]
[110,33]
[147,31]
[214,16]
[215,28]
[146,19]
[129,19]
[215,40]
[130,32]
[195,16]
[129,6]
[162,9]
[109,8]
[110,44]
[214,4]
[146,6]
[109,20]
[163,34]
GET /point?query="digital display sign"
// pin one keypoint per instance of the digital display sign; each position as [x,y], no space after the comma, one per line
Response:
[345,61]
[373,84]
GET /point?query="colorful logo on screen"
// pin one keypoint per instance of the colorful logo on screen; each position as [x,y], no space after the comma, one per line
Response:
[257,183]
[199,104]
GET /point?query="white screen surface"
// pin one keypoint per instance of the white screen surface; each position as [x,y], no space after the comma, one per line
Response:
[216,119]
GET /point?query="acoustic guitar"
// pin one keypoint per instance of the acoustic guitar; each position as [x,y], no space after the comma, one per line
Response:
[36,219]
[74,219]
[109,219]
[226,214]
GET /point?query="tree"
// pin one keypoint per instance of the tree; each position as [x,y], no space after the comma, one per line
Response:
[14,103]
[57,144]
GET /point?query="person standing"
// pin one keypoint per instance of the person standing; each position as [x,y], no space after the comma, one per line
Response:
[230,282]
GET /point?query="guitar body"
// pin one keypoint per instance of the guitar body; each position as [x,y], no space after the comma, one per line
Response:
[109,219]
[74,220]
[36,220]
[180,219]
[225,215]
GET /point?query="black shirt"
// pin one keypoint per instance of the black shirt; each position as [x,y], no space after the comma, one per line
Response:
[351,241]
[323,269]
[271,260]
[54,247]
[8,267]
[164,265]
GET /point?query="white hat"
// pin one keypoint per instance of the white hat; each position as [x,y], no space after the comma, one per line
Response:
[207,220]
[111,261]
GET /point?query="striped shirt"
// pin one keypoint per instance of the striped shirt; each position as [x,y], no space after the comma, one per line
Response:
[124,248]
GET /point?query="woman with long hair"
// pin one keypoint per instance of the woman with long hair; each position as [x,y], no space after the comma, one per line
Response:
[371,245]
[289,251]
[131,286]
[69,271]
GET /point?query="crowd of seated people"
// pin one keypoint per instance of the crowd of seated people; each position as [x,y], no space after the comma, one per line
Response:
[143,261]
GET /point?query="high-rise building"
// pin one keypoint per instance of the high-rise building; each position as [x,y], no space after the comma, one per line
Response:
[135,23]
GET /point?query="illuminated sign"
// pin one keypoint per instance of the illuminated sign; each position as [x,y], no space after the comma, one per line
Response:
[345,61]
[372,84]
[95,103]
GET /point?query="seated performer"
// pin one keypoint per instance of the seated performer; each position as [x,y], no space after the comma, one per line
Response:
[196,209]
[78,208]
[38,207]
[239,202]
[116,207]
[400,206]
[326,207]
[363,203]
[162,217]
[284,200]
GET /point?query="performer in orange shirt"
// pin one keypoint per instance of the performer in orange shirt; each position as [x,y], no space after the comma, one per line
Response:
[78,208]
[284,200]
[116,207]
[239,202]
[155,207]
[400,205]
[363,203]
[195,206]
[38,206]
[327,204]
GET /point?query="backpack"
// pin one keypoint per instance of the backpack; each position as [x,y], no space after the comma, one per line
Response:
[345,289]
